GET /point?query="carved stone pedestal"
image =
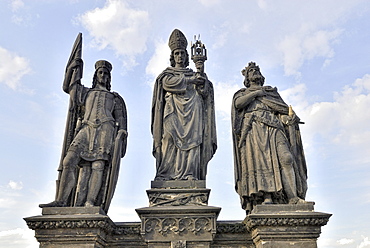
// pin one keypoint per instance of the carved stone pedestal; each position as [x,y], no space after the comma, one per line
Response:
[282,226]
[178,226]
[69,227]
[178,215]
[182,226]
[178,193]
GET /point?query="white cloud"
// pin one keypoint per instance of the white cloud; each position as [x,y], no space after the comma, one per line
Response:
[6,202]
[18,237]
[295,96]
[345,241]
[221,33]
[12,68]
[16,5]
[209,3]
[11,232]
[123,213]
[22,13]
[289,33]
[262,4]
[364,243]
[306,45]
[159,61]
[9,195]
[342,122]
[348,114]
[15,185]
[118,27]
[224,93]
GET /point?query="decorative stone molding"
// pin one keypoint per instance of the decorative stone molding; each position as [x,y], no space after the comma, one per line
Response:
[314,221]
[178,226]
[173,196]
[173,223]
[231,228]
[177,199]
[178,244]
[285,225]
[70,224]
[127,230]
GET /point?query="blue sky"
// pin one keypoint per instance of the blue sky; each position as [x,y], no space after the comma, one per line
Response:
[316,52]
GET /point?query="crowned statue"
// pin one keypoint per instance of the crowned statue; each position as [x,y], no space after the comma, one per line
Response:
[269,160]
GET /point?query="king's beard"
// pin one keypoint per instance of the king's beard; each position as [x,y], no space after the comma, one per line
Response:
[257,79]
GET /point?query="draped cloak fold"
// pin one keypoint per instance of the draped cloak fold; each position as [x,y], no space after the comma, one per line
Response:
[182,125]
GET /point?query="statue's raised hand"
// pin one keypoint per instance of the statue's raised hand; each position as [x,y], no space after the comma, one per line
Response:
[198,79]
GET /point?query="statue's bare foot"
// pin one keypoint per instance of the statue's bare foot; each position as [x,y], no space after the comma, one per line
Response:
[268,199]
[297,200]
[89,204]
[52,204]
[191,178]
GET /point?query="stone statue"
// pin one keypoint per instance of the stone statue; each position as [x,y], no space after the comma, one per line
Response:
[269,161]
[95,137]
[183,117]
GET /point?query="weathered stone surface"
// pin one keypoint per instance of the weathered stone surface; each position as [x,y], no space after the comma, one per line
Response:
[282,208]
[268,226]
[178,215]
[232,234]
[95,137]
[179,184]
[190,223]
[178,193]
[183,115]
[72,211]
[178,197]
[270,165]
[127,234]
[71,227]
[284,225]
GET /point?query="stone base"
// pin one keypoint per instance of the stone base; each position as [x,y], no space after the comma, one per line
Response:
[69,227]
[179,226]
[229,234]
[268,226]
[282,226]
[232,234]
[178,193]
[178,197]
[265,227]
[179,184]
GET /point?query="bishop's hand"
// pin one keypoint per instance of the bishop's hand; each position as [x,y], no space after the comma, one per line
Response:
[197,79]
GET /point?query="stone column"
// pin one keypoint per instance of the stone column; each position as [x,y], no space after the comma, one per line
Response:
[285,225]
[70,227]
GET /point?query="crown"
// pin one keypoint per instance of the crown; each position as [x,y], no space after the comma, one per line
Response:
[250,65]
[104,64]
[177,40]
